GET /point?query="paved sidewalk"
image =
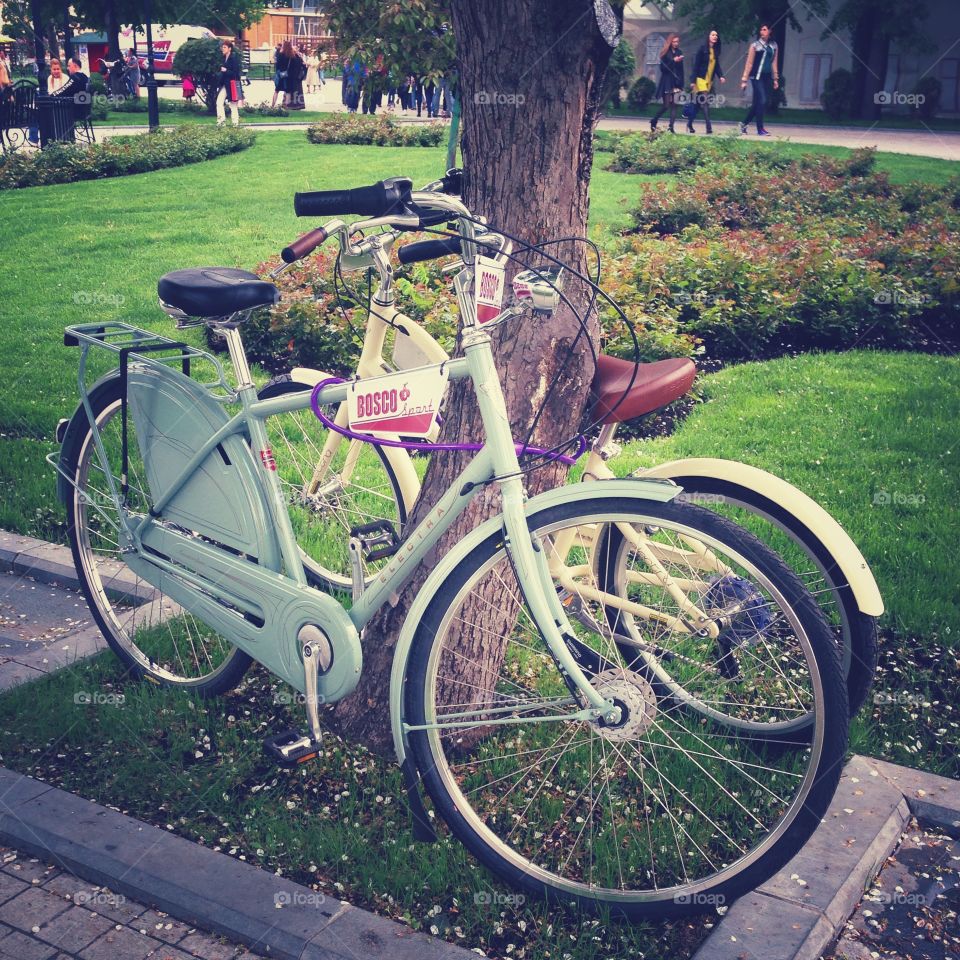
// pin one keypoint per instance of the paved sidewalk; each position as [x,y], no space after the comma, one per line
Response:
[48,914]
[44,620]
[945,146]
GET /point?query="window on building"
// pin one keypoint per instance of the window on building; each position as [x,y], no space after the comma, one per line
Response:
[814,71]
[950,84]
[654,44]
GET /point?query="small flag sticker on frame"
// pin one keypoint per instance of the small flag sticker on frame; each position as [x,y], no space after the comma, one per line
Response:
[489,289]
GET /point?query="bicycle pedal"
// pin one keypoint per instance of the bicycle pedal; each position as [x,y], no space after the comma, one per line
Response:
[377,540]
[291,747]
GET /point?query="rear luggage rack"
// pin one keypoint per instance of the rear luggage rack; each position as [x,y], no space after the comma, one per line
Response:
[147,347]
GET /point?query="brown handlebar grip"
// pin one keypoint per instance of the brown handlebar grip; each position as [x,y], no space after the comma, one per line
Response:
[303,245]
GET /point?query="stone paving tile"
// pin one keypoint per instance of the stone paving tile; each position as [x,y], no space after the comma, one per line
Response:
[10,887]
[30,870]
[162,926]
[74,929]
[19,946]
[33,908]
[203,945]
[122,944]
[100,900]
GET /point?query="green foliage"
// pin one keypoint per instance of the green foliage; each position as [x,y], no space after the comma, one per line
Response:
[381,131]
[120,156]
[664,153]
[759,259]
[621,68]
[201,58]
[930,89]
[838,98]
[264,109]
[641,92]
[412,37]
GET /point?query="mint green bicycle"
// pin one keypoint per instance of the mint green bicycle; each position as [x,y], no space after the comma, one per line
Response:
[562,760]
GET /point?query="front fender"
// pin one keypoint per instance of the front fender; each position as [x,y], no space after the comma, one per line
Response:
[791,510]
[650,489]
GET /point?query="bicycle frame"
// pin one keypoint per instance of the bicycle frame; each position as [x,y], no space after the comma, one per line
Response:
[256,592]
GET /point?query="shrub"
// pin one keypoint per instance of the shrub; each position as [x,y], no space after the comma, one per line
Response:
[620,69]
[665,153]
[838,93]
[641,92]
[381,131]
[824,254]
[120,156]
[264,109]
[930,90]
[202,59]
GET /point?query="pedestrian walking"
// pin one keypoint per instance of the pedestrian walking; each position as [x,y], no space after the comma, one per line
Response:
[132,73]
[706,69]
[229,85]
[296,74]
[312,82]
[762,71]
[670,83]
[279,78]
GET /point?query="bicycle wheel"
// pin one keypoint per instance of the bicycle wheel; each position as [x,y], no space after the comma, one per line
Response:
[154,637]
[666,812]
[856,632]
[359,487]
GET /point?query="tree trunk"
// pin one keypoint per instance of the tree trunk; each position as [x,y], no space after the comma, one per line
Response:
[531,76]
[112,29]
[67,34]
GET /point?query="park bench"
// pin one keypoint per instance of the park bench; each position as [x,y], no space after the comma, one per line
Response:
[22,110]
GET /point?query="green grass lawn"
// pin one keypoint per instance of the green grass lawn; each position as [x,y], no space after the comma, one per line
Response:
[848,429]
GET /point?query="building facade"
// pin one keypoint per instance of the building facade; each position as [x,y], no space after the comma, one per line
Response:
[811,55]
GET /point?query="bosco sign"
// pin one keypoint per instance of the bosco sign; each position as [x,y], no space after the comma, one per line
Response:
[402,404]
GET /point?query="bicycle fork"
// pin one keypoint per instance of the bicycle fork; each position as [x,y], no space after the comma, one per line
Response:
[526,553]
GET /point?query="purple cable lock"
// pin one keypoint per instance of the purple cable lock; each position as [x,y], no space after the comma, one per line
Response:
[408,445]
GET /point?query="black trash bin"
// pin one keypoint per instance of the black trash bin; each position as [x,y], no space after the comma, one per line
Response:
[55,118]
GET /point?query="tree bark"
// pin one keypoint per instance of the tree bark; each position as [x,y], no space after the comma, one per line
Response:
[531,75]
[112,29]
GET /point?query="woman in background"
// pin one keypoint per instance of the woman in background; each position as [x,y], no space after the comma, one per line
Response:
[671,80]
[706,68]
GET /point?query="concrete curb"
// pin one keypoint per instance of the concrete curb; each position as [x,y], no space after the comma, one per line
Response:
[46,562]
[800,911]
[212,891]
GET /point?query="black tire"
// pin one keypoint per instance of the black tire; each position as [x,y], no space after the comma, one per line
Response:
[139,623]
[438,753]
[321,526]
[814,565]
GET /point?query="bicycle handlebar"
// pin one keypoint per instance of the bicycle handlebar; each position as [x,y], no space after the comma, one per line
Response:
[428,250]
[377,200]
[303,245]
